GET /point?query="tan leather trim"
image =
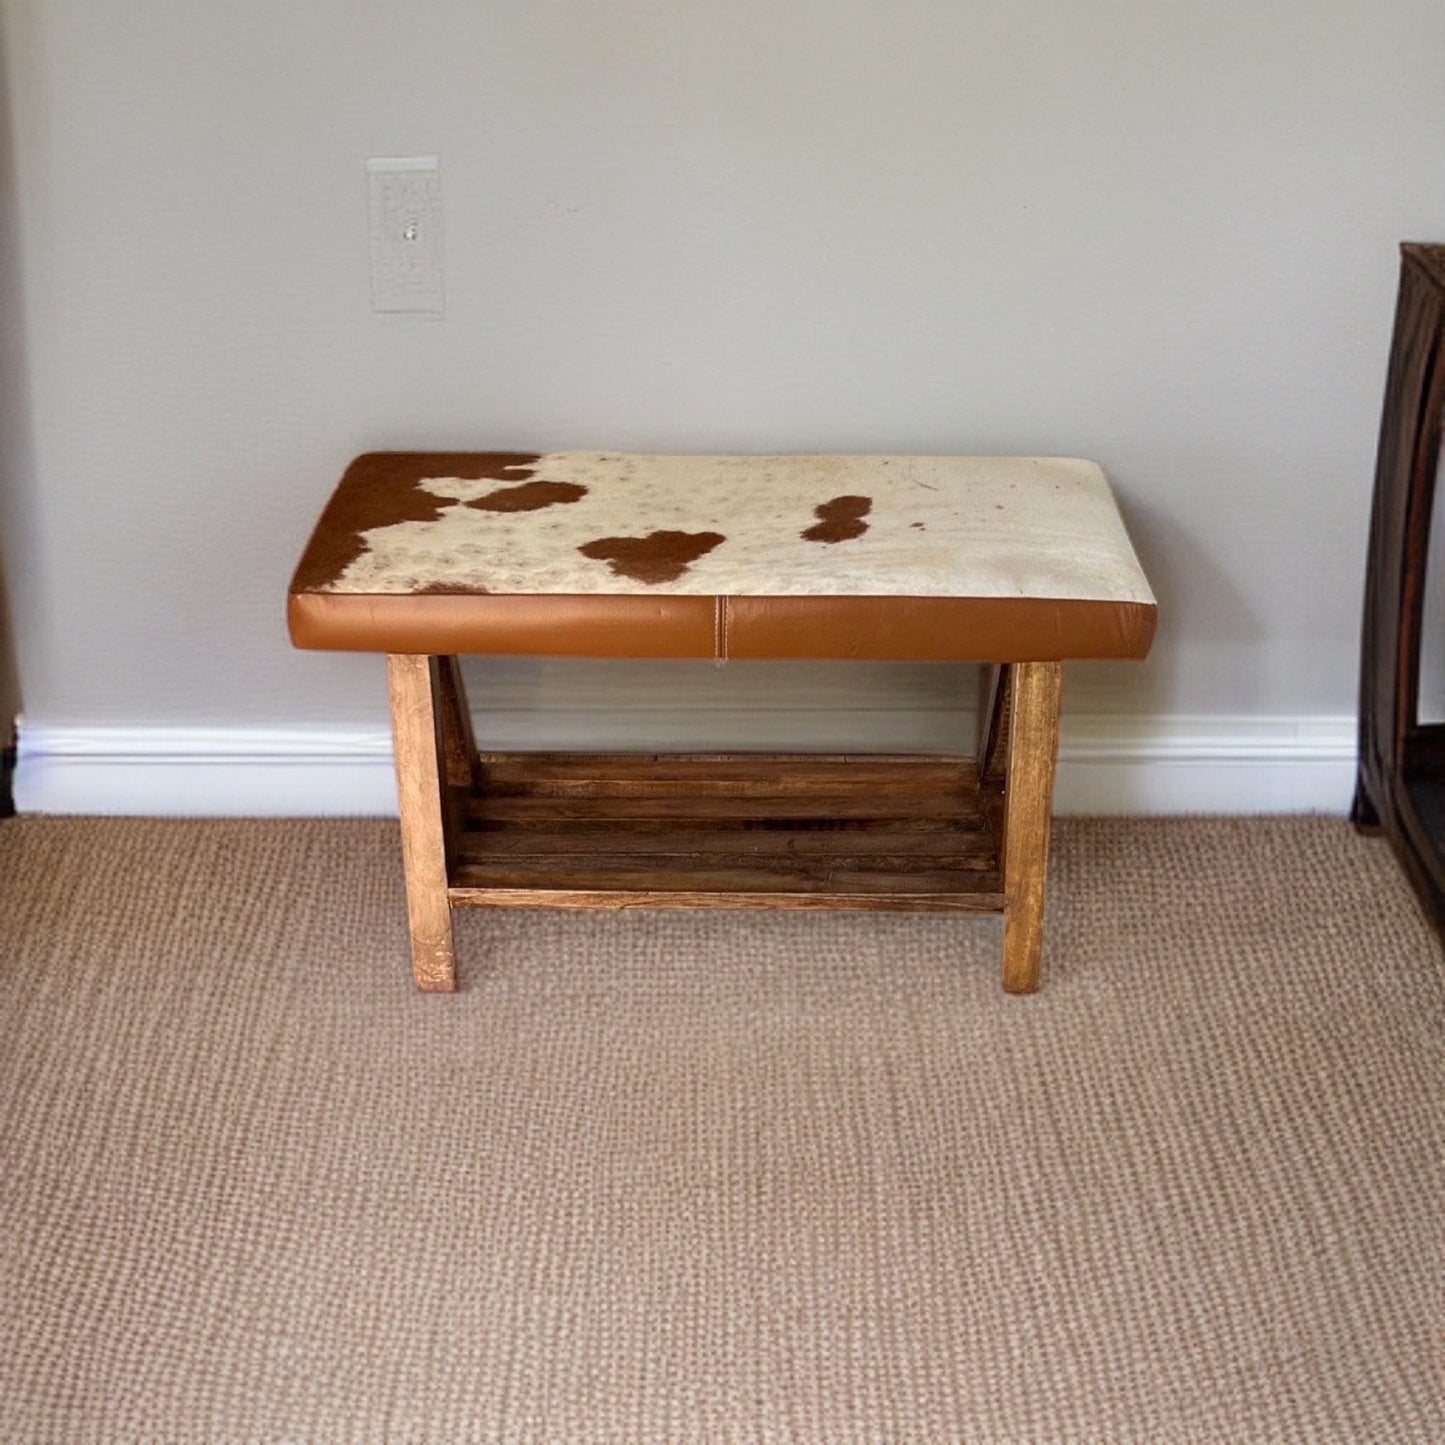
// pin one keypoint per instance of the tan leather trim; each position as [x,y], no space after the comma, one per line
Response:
[976,629]
[927,629]
[539,625]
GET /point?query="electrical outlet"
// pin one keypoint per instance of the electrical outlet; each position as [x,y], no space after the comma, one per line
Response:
[405,207]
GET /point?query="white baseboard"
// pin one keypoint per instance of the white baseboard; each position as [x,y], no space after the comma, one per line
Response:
[205,772]
[1177,764]
[1108,765]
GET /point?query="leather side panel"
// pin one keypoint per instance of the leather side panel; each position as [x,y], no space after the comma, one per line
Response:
[904,628]
[974,629]
[541,625]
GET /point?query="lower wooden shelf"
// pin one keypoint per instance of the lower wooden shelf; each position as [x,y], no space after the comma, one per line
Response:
[727,830]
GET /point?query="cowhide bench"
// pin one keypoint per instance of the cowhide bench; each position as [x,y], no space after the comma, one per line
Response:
[1018,562]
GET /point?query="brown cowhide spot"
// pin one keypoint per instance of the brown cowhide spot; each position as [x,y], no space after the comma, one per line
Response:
[384,488]
[839,520]
[529,497]
[450,589]
[657,557]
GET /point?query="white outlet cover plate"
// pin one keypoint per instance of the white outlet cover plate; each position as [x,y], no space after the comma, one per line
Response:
[405,216]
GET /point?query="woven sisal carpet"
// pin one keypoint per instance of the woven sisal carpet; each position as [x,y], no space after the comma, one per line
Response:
[717,1177]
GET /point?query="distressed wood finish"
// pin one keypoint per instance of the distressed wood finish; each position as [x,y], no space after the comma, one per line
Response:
[461,767]
[968,844]
[1401,782]
[722,830]
[714,892]
[641,775]
[712,810]
[993,705]
[992,754]
[728,831]
[417,738]
[464,768]
[1033,732]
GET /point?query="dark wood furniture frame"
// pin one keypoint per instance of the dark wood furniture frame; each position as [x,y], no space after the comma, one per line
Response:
[1401,785]
[7,782]
[964,833]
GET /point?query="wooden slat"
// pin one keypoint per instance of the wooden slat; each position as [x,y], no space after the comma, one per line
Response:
[665,865]
[892,865]
[817,879]
[649,895]
[727,830]
[723,810]
[463,897]
[678,763]
[551,776]
[970,840]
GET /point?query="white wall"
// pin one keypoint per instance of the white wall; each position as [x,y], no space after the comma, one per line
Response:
[1160,235]
[15,465]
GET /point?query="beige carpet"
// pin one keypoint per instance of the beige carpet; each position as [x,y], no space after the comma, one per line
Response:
[717,1177]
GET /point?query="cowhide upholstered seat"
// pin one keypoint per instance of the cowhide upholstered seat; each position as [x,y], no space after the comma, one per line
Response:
[1019,562]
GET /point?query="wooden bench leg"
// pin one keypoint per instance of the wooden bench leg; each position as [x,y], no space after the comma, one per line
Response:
[464,769]
[417,739]
[1033,746]
[993,716]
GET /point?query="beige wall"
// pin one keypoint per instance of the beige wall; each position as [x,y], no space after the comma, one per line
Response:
[1159,235]
[15,459]
[9,675]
